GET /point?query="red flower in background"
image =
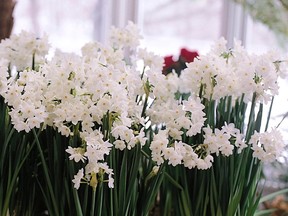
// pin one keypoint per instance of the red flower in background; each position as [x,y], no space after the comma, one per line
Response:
[168,62]
[185,56]
[188,56]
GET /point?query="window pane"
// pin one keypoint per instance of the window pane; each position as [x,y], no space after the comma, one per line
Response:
[169,25]
[69,24]
[260,38]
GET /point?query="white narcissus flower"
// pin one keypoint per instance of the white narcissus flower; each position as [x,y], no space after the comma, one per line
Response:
[93,171]
[205,163]
[151,60]
[122,132]
[76,154]
[63,129]
[175,159]
[119,144]
[95,150]
[108,171]
[230,129]
[141,137]
[77,178]
[125,37]
[110,180]
[4,75]
[240,142]
[219,46]
[160,141]
[226,149]
[267,146]
[190,157]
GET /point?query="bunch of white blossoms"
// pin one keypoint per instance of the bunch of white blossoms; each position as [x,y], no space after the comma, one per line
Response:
[221,73]
[267,146]
[234,72]
[105,98]
[24,50]
[21,53]
[97,95]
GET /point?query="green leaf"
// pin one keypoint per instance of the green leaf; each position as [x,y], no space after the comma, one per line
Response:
[46,174]
[259,118]
[173,182]
[123,184]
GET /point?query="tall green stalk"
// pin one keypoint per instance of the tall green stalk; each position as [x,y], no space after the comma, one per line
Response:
[52,207]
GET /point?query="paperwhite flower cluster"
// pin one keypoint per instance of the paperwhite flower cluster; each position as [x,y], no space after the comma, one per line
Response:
[234,72]
[103,97]
[177,153]
[179,120]
[127,36]
[97,95]
[219,74]
[22,49]
[224,141]
[267,146]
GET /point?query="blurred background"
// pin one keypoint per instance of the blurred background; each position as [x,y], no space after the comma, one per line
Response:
[168,26]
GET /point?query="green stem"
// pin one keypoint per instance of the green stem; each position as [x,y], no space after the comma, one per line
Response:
[269,114]
[76,199]
[93,202]
[99,201]
[144,106]
[250,125]
[142,74]
[46,173]
[5,146]
[14,178]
